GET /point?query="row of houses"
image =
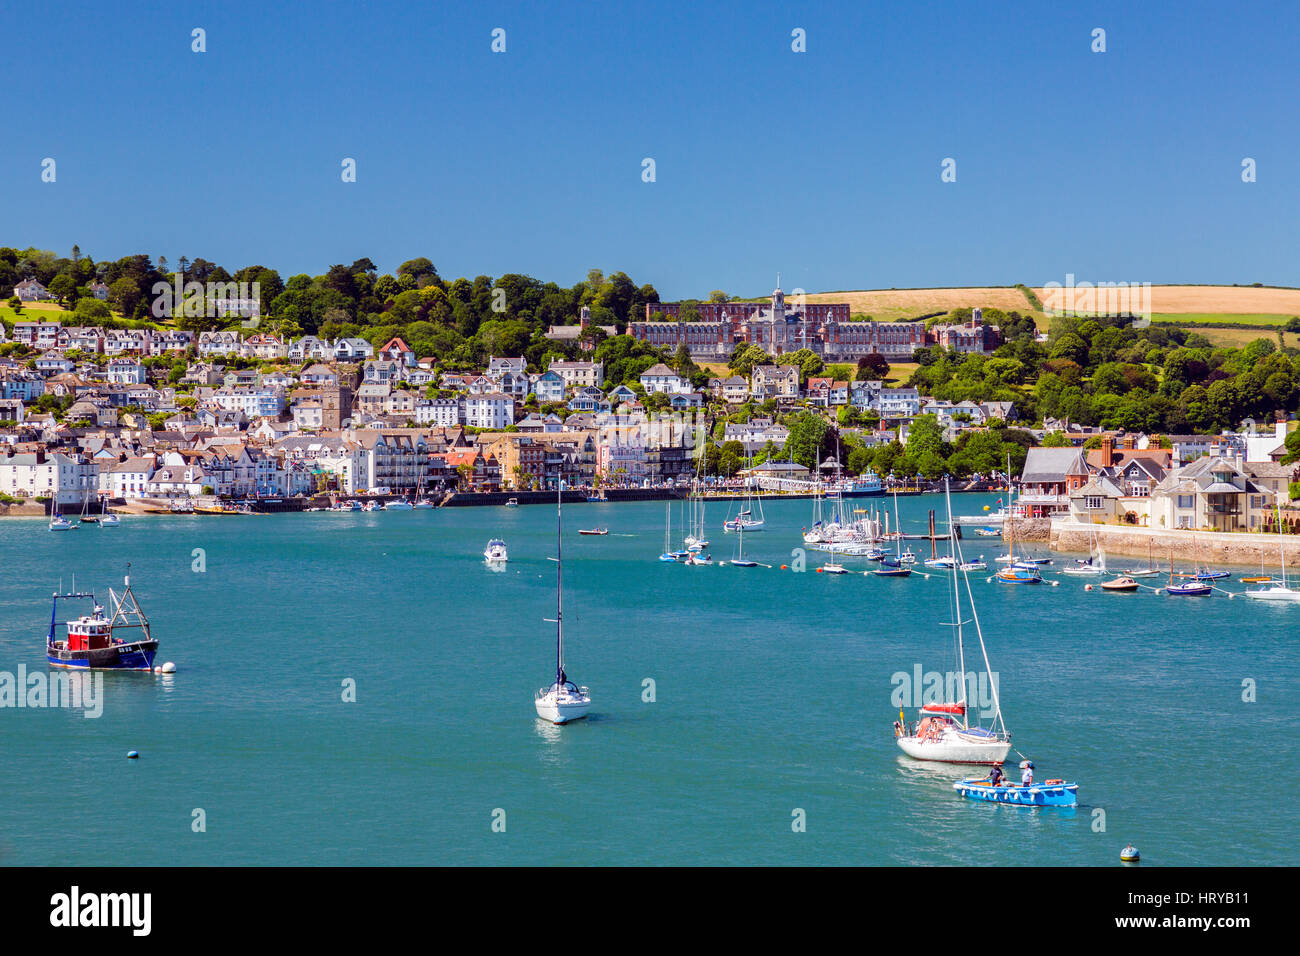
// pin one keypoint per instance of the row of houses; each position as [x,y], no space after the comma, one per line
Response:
[1148,487]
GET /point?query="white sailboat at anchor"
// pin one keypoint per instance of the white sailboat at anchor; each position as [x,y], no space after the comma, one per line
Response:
[944,731]
[563,700]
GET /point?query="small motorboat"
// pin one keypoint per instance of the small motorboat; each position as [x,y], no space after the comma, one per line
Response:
[976,565]
[1212,575]
[593,531]
[512,503]
[1121,583]
[399,504]
[1049,793]
[699,559]
[423,504]
[495,552]
[988,532]
[944,563]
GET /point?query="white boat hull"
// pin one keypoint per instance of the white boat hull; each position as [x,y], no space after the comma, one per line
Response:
[952,747]
[1275,594]
[562,707]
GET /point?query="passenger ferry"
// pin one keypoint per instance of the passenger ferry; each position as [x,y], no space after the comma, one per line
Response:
[91,641]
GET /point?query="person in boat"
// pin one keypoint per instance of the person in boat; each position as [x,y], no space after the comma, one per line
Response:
[1027,775]
[995,776]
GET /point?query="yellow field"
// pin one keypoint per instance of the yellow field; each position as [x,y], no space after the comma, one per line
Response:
[890,304]
[1188,299]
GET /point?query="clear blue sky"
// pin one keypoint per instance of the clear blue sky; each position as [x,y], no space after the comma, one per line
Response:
[823,165]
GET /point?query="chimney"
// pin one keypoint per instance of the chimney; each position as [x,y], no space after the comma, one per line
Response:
[1107,451]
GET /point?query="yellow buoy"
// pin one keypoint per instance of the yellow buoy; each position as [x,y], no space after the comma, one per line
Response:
[1130,854]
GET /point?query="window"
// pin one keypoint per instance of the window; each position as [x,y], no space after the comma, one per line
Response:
[1186,501]
[1094,503]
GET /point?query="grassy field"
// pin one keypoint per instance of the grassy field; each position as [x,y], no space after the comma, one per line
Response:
[34,312]
[1236,338]
[888,305]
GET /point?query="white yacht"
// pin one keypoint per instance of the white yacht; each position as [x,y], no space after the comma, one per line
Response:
[563,701]
[495,552]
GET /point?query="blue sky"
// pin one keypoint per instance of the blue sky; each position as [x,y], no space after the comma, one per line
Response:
[824,165]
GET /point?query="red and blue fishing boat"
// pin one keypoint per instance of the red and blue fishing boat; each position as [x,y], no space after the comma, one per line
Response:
[93,642]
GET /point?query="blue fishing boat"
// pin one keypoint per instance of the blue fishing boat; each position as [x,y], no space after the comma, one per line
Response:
[1049,793]
[1212,575]
[91,642]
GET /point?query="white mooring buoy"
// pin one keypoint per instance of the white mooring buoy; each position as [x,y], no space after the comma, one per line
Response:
[1130,854]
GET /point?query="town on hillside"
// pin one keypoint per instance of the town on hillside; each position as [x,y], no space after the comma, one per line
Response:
[620,392]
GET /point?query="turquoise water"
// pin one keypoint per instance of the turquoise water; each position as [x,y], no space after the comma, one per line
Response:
[773,693]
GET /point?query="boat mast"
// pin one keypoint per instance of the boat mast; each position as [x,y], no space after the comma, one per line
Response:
[559,582]
[956,599]
[979,631]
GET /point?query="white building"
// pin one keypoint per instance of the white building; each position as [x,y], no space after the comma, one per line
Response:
[490,410]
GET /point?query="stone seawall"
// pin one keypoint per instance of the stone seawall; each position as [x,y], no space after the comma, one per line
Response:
[1207,546]
[25,509]
[1028,529]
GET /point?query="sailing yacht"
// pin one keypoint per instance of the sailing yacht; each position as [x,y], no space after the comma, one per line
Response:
[944,731]
[60,523]
[740,560]
[745,519]
[1092,566]
[1017,572]
[668,554]
[894,567]
[1192,588]
[1274,590]
[564,700]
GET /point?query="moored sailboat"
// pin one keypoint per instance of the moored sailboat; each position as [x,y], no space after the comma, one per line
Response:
[563,701]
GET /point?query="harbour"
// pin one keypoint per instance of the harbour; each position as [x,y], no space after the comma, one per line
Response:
[685,769]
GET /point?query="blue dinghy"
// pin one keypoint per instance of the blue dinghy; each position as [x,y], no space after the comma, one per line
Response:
[1050,793]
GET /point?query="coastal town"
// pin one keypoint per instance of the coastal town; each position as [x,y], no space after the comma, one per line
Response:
[158,418]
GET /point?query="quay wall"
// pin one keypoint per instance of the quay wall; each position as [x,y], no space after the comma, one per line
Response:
[1033,530]
[1210,547]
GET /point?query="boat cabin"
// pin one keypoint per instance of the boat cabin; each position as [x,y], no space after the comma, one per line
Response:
[89,632]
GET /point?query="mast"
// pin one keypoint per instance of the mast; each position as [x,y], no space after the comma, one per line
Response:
[979,632]
[956,599]
[559,582]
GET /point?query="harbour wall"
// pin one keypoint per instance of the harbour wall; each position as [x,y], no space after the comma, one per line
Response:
[1209,547]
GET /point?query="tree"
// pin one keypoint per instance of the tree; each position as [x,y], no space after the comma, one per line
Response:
[1056,439]
[872,368]
[807,439]
[62,287]
[125,295]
